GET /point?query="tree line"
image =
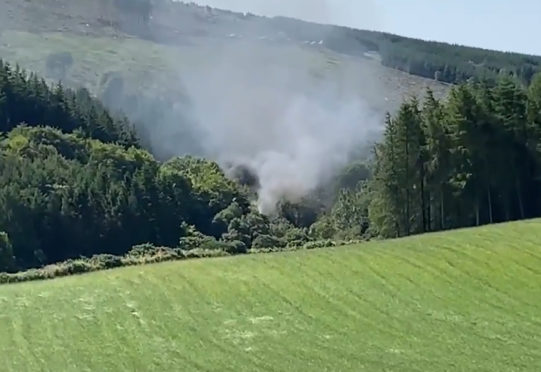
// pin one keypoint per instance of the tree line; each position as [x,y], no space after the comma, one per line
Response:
[75,181]
[455,64]
[434,60]
[473,159]
[27,98]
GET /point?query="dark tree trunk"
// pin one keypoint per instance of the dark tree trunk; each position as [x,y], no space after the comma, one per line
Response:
[477,219]
[489,196]
[442,211]
[429,211]
[519,196]
[423,202]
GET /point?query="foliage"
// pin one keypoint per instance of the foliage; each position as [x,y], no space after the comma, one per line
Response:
[6,253]
[433,60]
[142,250]
[27,98]
[84,188]
[320,244]
[63,196]
[471,160]
[353,174]
[191,238]
[268,241]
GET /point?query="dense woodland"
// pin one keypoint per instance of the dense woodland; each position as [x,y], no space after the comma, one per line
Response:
[83,186]
[433,60]
[472,160]
[74,180]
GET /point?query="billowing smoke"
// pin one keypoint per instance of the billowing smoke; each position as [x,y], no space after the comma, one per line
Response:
[290,111]
[292,115]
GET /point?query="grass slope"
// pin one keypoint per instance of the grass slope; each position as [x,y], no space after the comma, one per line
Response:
[467,300]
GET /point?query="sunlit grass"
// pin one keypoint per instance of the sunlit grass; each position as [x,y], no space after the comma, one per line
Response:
[467,300]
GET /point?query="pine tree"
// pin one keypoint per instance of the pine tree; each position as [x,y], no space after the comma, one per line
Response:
[438,160]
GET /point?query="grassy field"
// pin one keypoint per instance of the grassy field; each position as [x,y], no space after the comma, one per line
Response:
[468,300]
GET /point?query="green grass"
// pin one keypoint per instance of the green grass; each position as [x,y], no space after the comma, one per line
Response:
[468,300]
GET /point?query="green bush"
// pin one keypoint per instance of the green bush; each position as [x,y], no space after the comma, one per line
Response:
[267,241]
[73,267]
[148,254]
[323,228]
[211,244]
[202,253]
[142,250]
[236,247]
[296,244]
[320,244]
[4,278]
[105,261]
[156,255]
[296,235]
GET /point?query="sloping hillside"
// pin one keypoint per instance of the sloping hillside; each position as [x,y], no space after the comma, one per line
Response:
[463,300]
[164,67]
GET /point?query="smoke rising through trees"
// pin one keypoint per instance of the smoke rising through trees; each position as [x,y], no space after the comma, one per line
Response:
[292,129]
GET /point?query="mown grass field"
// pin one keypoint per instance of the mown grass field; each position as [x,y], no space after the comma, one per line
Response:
[468,300]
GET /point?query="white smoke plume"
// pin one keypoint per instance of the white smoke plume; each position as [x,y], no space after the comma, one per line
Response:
[293,115]
[290,110]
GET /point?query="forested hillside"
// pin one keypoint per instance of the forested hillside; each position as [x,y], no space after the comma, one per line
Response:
[26,98]
[433,60]
[168,21]
[84,186]
[474,159]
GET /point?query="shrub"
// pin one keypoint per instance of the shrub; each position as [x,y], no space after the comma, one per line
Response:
[320,244]
[142,250]
[323,228]
[296,244]
[158,254]
[296,235]
[105,261]
[192,238]
[147,254]
[211,244]
[202,253]
[236,247]
[232,247]
[72,267]
[267,241]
